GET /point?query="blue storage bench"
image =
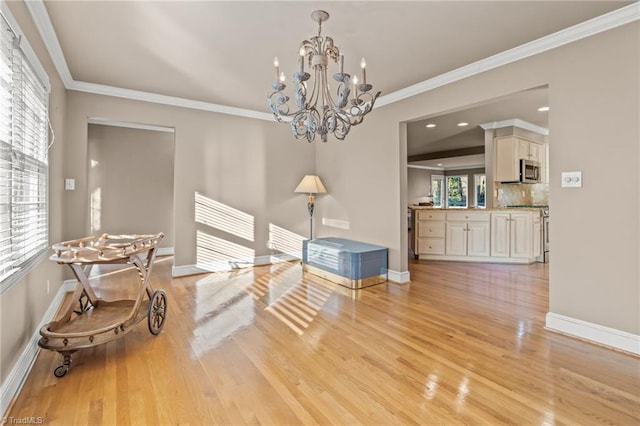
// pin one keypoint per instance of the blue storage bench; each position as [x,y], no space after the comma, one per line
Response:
[349,263]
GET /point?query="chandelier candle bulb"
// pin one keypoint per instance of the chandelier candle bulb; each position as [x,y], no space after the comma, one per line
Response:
[363,65]
[341,63]
[355,86]
[276,64]
[282,78]
[301,59]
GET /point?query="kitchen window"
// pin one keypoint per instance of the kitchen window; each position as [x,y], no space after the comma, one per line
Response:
[457,191]
[480,185]
[24,101]
[437,190]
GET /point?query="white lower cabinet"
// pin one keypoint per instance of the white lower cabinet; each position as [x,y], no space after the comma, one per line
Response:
[467,234]
[511,235]
[478,236]
[429,232]
[478,239]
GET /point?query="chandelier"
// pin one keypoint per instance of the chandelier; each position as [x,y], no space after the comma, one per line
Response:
[318,113]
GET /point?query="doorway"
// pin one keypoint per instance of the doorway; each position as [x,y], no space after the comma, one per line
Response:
[130,181]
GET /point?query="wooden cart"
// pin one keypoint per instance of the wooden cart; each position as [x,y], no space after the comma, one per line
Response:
[87,320]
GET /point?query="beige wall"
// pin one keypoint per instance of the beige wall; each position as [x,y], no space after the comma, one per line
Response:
[130,181]
[418,183]
[249,165]
[593,92]
[23,306]
[594,128]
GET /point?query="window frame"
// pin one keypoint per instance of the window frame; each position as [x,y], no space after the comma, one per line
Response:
[442,199]
[31,149]
[476,177]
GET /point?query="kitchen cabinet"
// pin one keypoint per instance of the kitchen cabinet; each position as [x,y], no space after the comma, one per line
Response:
[537,236]
[512,235]
[467,234]
[528,150]
[492,235]
[429,232]
[509,150]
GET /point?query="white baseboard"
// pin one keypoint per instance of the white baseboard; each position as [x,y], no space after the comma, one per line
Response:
[165,251]
[18,374]
[596,333]
[184,270]
[398,277]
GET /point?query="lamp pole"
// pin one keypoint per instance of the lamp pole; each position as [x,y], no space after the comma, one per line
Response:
[310,206]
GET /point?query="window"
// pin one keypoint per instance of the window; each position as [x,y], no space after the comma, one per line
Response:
[480,185]
[457,191]
[437,185]
[23,159]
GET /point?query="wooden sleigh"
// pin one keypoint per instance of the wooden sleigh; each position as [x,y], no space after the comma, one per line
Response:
[88,320]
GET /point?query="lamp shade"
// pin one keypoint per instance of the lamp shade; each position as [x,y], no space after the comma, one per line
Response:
[311,184]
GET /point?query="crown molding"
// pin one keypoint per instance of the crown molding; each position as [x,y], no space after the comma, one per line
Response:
[137,95]
[515,122]
[568,35]
[41,19]
[130,125]
[416,166]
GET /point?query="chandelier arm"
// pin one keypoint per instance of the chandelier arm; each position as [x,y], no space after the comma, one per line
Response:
[343,126]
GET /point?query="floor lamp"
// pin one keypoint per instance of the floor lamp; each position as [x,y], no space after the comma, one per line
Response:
[311,185]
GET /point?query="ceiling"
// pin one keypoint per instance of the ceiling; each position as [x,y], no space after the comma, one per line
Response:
[519,108]
[221,52]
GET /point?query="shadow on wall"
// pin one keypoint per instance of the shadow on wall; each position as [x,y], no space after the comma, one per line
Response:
[228,243]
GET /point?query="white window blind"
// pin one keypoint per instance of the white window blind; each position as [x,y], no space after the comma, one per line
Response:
[23,158]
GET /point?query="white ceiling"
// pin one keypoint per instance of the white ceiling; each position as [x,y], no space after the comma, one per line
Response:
[523,106]
[221,52]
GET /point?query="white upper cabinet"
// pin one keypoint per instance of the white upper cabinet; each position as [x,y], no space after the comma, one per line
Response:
[509,150]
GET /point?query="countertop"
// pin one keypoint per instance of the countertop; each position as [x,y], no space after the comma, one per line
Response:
[531,208]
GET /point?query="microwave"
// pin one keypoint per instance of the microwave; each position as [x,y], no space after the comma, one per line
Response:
[529,171]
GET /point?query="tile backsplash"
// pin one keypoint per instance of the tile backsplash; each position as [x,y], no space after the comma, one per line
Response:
[510,194]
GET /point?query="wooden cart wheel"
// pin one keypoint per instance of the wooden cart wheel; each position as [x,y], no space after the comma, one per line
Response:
[60,371]
[157,312]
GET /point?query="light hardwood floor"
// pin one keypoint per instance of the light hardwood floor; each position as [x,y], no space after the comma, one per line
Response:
[463,343]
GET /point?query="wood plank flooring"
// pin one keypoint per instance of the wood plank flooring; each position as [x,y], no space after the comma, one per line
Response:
[461,344]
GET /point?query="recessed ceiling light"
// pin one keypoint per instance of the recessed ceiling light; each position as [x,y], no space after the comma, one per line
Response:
[543,109]
[463,124]
[439,164]
[430,125]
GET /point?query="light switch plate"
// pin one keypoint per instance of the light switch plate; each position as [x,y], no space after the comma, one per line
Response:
[571,180]
[70,184]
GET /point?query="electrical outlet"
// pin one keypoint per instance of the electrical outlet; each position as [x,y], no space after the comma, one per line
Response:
[571,180]
[70,184]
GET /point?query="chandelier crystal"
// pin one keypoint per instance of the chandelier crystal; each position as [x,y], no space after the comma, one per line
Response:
[318,113]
